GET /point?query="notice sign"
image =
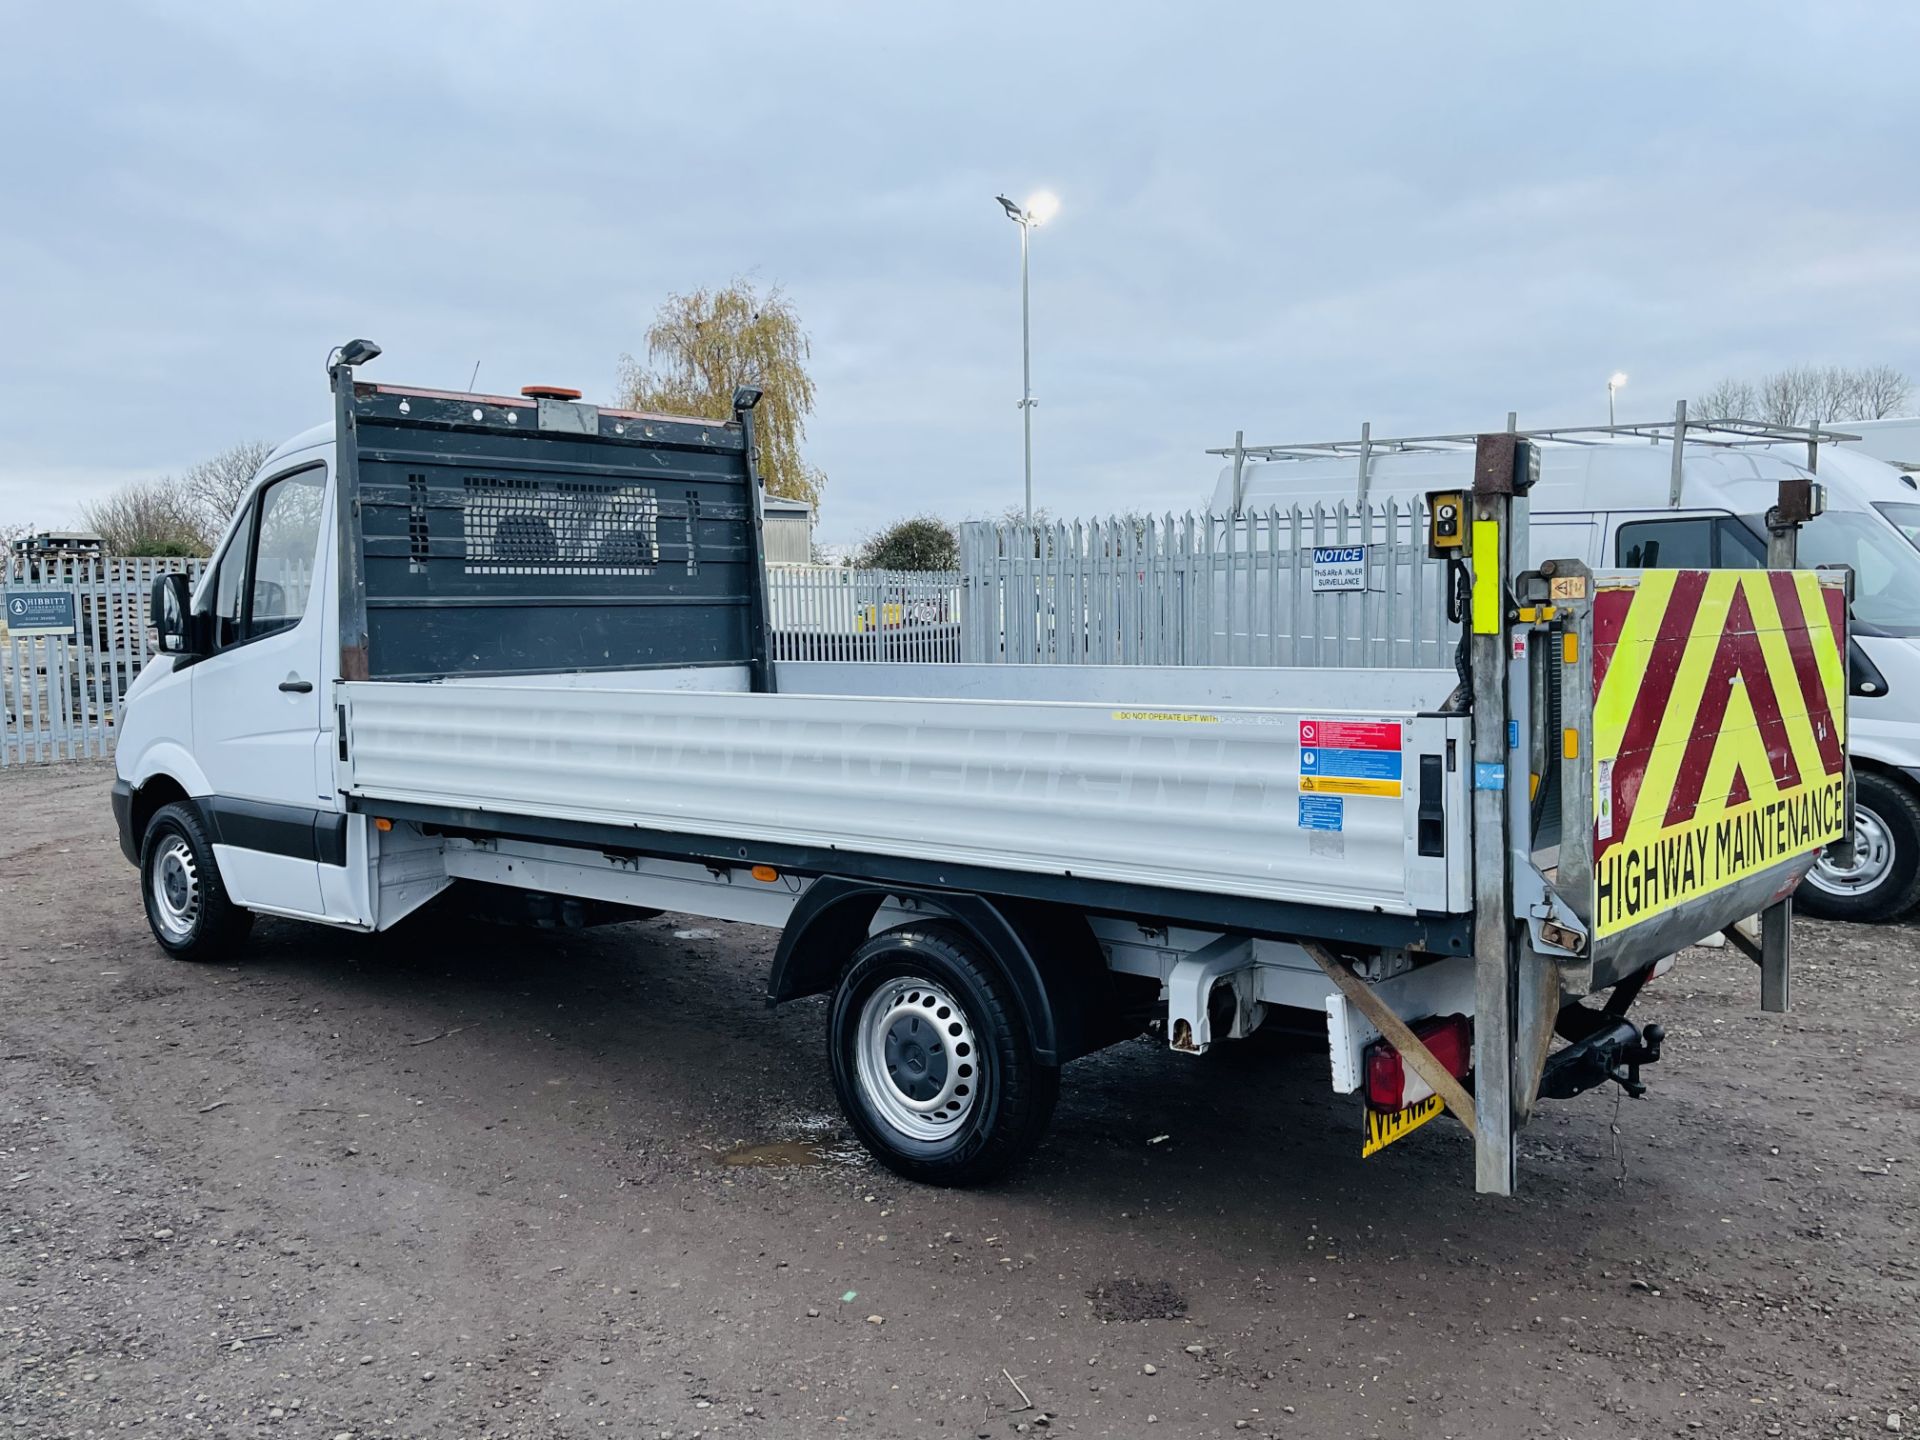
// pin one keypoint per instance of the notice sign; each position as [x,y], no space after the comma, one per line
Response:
[40,611]
[1339,567]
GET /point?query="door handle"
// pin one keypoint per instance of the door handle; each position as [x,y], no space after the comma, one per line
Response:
[294,685]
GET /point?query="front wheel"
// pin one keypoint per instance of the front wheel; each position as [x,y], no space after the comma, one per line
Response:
[932,1060]
[187,905]
[1884,879]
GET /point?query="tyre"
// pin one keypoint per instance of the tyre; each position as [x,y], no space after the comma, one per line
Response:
[1884,879]
[932,1060]
[187,906]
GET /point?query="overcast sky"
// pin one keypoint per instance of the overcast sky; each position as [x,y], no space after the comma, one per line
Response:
[1278,218]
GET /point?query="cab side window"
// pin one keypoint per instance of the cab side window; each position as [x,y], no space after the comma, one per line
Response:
[265,575]
[289,532]
[1688,542]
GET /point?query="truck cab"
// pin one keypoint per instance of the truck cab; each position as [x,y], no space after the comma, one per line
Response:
[240,724]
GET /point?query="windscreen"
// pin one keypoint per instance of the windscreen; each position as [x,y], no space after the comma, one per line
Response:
[1905,519]
[1886,567]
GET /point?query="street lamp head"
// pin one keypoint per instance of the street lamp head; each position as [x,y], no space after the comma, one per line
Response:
[1043,207]
[1616,380]
[1014,212]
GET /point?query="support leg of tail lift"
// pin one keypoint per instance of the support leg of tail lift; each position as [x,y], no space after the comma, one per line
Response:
[1776,957]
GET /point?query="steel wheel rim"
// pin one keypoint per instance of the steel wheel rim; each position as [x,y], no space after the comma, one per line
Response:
[174,884]
[1872,859]
[916,1059]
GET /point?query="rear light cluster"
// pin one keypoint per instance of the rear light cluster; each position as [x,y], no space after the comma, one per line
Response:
[1392,1085]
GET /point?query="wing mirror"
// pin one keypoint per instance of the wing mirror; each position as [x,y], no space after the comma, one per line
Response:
[1863,676]
[172,620]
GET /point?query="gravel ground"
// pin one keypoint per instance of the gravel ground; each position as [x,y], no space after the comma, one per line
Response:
[459,1181]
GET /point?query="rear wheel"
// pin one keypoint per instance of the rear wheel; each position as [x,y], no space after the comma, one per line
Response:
[932,1061]
[1883,879]
[187,905]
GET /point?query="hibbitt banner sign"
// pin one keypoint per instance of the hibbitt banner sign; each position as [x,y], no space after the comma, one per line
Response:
[1719,718]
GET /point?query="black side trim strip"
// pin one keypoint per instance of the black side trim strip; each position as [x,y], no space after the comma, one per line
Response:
[330,837]
[1279,919]
[292,830]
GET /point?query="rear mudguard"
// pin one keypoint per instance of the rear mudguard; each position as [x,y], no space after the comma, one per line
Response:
[1068,998]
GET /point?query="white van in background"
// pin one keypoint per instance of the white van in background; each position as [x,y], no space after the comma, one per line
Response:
[1605,498]
[1895,441]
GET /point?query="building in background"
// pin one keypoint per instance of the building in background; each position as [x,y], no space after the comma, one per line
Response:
[789,530]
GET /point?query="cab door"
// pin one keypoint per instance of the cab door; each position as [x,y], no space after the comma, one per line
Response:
[257,696]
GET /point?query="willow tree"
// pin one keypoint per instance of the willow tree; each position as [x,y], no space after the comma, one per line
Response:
[702,346]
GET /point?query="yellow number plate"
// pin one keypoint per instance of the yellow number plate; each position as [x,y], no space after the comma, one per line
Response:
[1384,1129]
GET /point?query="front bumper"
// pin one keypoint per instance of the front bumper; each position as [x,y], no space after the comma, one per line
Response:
[123,819]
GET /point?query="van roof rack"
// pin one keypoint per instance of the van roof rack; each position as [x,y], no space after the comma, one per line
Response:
[1679,432]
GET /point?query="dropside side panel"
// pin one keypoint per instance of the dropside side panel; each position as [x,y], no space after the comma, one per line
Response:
[1312,807]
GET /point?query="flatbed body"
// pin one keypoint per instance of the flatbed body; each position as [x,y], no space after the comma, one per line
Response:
[1161,796]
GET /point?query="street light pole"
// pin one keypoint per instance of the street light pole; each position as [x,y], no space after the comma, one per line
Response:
[1614,382]
[1037,211]
[1026,359]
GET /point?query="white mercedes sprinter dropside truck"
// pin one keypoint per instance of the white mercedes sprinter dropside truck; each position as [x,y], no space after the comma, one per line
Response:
[1696,493]
[520,646]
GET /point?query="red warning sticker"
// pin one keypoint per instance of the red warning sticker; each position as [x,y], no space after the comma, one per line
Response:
[1351,734]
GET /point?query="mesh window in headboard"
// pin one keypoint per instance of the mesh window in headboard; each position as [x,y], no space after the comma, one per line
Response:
[517,526]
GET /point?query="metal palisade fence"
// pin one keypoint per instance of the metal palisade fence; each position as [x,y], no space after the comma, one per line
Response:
[75,636]
[1318,586]
[826,612]
[1306,586]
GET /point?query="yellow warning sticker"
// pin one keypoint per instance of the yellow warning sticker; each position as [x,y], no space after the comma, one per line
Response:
[1385,1127]
[1178,717]
[1487,590]
[1347,785]
[1719,739]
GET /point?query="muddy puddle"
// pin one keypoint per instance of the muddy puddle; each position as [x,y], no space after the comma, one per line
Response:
[774,1154]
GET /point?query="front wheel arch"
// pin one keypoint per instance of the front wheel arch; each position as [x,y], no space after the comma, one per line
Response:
[149,796]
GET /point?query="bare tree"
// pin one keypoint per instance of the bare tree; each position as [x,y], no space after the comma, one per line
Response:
[1880,391]
[1811,394]
[147,517]
[1729,400]
[1792,397]
[214,487]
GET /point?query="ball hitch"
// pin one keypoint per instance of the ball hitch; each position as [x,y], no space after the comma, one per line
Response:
[1614,1049]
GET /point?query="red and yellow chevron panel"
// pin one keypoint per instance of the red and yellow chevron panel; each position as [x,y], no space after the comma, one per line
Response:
[1719,731]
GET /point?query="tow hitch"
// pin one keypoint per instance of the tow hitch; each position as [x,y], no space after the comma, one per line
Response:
[1605,1047]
